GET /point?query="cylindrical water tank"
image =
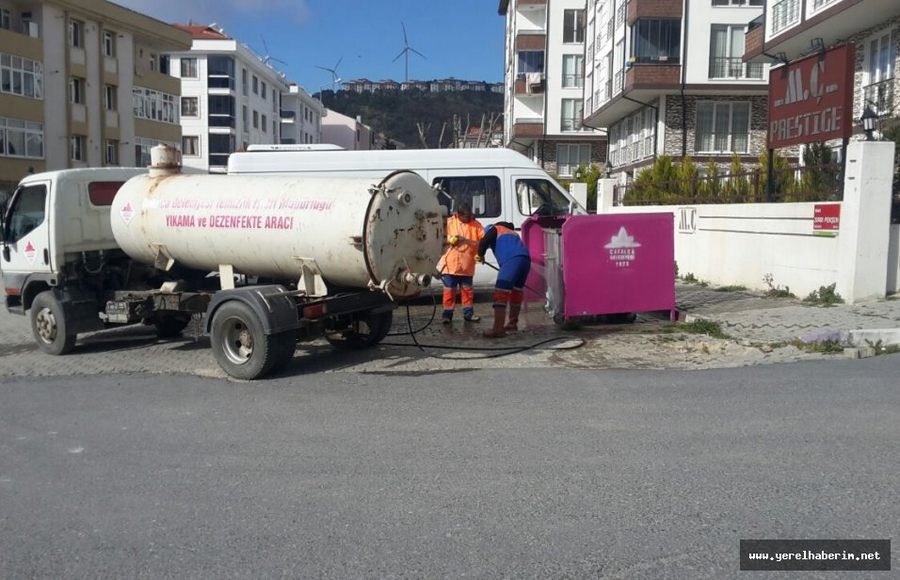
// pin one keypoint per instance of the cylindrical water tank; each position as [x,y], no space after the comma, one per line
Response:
[353,232]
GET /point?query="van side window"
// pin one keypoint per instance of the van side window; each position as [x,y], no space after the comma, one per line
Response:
[103,192]
[540,197]
[481,192]
[27,212]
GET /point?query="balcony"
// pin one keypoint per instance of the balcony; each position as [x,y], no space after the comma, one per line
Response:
[530,84]
[26,27]
[528,127]
[790,29]
[531,41]
[734,68]
[288,117]
[881,96]
[666,76]
[653,10]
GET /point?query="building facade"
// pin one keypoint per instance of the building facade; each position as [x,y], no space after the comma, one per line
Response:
[544,85]
[667,77]
[789,29]
[230,99]
[301,117]
[83,83]
[349,133]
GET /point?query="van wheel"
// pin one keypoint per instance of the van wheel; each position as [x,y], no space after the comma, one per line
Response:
[239,344]
[49,325]
[364,332]
[171,325]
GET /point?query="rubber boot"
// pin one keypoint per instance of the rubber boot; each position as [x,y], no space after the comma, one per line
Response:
[499,320]
[513,324]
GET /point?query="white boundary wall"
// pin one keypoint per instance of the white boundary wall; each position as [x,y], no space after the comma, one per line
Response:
[739,244]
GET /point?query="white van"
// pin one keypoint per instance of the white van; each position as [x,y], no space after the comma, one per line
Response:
[58,220]
[500,184]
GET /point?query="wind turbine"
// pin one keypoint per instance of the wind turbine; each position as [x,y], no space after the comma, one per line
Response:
[406,50]
[335,80]
[268,57]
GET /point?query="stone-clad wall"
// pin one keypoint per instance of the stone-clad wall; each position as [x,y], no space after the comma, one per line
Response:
[675,111]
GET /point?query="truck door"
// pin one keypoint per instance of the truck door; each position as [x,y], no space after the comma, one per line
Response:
[26,233]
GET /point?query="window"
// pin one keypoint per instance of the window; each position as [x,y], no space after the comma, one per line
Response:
[573,26]
[530,61]
[27,212]
[569,156]
[245,118]
[540,197]
[264,123]
[103,192]
[726,52]
[165,64]
[255,120]
[244,89]
[109,43]
[573,71]
[571,114]
[255,85]
[656,41]
[482,193]
[220,147]
[76,33]
[190,107]
[20,138]
[5,19]
[78,148]
[21,76]
[220,72]
[221,111]
[154,105]
[110,97]
[263,90]
[879,92]
[189,68]
[142,147]
[110,156]
[190,146]
[739,2]
[722,127]
[76,90]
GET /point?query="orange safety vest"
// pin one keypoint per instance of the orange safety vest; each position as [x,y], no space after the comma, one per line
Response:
[459,260]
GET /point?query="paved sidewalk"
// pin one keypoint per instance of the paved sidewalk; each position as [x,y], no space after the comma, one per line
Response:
[751,317]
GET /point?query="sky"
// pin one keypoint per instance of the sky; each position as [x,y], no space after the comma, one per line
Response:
[459,38]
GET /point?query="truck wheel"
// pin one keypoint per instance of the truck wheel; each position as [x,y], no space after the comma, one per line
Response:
[171,325]
[49,325]
[364,333]
[239,344]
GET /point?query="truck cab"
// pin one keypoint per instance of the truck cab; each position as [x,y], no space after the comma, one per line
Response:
[54,222]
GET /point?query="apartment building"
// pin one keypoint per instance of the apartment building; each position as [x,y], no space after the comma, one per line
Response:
[667,77]
[349,133]
[789,29]
[301,117]
[230,98]
[544,85]
[83,83]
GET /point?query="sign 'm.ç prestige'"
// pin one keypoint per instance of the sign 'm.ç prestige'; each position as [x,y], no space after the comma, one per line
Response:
[812,99]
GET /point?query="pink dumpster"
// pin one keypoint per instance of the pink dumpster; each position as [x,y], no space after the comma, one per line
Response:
[586,265]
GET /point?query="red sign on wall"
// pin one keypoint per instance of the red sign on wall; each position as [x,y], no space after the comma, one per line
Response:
[811,99]
[826,219]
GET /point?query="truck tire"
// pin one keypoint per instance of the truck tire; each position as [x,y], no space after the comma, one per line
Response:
[367,332]
[171,325]
[49,325]
[288,341]
[240,345]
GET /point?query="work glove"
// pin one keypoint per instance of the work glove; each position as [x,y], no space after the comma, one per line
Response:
[454,240]
[479,259]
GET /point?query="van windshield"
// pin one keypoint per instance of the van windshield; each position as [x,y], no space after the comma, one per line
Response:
[541,197]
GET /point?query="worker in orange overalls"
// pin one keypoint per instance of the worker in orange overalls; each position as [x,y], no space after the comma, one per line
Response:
[457,266]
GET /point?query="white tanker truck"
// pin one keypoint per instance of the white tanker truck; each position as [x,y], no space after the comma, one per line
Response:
[326,257]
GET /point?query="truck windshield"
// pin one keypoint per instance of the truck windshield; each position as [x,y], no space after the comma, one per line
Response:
[541,197]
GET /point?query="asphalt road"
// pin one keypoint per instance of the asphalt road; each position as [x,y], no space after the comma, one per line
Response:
[521,473]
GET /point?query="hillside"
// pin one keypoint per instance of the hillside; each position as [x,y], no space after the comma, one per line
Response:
[396,113]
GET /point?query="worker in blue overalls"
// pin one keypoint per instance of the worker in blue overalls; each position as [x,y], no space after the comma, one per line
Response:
[515,262]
